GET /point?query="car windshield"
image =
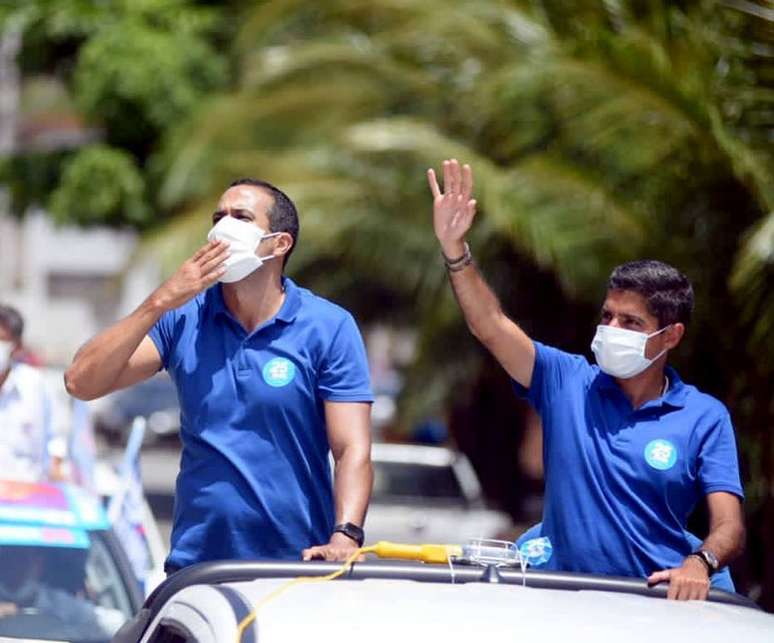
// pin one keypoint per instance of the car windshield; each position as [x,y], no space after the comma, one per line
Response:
[62,593]
[415,483]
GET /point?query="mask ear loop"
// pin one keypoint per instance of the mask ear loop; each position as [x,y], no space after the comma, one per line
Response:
[658,332]
[266,236]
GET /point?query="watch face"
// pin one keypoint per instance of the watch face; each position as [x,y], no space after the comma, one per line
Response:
[710,558]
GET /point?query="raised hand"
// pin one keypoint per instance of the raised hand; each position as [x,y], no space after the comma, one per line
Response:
[196,274]
[453,209]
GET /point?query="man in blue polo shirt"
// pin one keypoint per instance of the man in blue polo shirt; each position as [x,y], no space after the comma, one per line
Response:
[629,448]
[270,378]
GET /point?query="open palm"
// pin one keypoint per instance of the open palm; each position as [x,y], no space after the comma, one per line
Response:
[453,209]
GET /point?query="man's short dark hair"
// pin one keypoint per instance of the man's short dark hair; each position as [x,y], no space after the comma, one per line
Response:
[667,292]
[12,321]
[283,216]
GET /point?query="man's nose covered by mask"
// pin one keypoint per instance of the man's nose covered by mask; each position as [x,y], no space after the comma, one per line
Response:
[621,352]
[243,239]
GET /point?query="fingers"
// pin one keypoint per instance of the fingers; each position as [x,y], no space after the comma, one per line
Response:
[328,552]
[212,249]
[209,279]
[674,588]
[433,183]
[658,577]
[457,180]
[456,176]
[213,259]
[467,181]
[681,587]
[205,248]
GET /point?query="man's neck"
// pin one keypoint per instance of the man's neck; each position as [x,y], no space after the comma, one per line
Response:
[256,298]
[648,385]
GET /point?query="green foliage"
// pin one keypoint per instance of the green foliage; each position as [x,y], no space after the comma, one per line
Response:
[100,184]
[138,78]
[134,68]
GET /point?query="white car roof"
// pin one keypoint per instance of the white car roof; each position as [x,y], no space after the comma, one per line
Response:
[400,610]
[406,601]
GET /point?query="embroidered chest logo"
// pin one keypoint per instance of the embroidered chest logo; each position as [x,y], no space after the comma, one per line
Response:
[279,372]
[661,454]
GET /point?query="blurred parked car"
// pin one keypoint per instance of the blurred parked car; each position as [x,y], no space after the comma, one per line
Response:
[63,574]
[407,601]
[428,494]
[154,399]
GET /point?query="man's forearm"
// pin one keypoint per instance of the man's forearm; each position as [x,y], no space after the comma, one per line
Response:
[352,486]
[726,541]
[98,364]
[478,303]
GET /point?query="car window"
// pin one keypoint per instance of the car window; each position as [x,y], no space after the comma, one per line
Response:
[103,578]
[56,593]
[415,483]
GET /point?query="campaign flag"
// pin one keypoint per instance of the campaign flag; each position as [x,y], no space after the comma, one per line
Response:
[125,510]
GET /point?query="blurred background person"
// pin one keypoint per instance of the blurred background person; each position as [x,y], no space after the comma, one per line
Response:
[25,408]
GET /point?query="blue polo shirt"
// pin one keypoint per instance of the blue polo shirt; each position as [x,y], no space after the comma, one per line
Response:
[620,482]
[255,478]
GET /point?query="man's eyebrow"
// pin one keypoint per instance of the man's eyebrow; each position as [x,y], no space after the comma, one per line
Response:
[218,213]
[242,211]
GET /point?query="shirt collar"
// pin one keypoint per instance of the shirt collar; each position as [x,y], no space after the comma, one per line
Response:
[287,312]
[675,395]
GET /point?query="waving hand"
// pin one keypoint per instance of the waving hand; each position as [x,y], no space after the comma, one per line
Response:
[453,209]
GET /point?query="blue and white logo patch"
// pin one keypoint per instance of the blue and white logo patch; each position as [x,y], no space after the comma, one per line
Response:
[661,454]
[279,372]
[536,551]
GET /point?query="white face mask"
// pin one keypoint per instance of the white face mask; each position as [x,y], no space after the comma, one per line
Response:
[243,239]
[6,348]
[621,352]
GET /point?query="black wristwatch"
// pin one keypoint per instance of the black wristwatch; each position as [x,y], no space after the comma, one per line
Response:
[351,530]
[708,558]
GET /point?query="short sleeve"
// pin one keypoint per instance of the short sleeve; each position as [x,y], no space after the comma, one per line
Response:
[553,370]
[343,374]
[718,464]
[161,336]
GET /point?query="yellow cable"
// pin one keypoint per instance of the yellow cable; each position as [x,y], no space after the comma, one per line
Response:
[245,623]
[425,553]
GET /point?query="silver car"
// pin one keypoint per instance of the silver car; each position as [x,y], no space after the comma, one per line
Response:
[428,494]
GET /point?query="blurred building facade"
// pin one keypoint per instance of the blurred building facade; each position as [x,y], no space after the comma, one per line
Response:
[66,281]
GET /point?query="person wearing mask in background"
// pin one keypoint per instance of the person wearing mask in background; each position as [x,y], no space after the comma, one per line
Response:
[629,448]
[270,377]
[25,408]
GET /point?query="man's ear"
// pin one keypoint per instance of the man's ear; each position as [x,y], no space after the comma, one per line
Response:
[283,244]
[674,335]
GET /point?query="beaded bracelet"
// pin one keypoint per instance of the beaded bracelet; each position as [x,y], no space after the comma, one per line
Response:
[460,263]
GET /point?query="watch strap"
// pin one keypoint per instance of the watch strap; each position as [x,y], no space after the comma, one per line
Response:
[351,530]
[709,560]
